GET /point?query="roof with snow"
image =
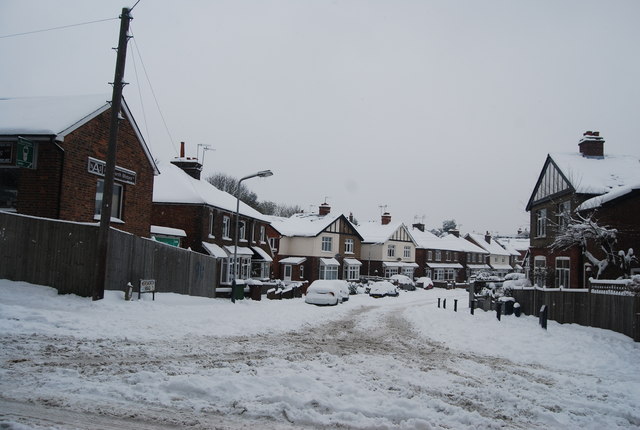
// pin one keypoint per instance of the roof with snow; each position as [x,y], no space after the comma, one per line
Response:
[303,224]
[492,247]
[375,232]
[593,175]
[174,185]
[514,245]
[450,242]
[58,116]
[566,172]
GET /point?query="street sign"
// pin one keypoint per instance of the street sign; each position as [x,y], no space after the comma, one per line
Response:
[25,153]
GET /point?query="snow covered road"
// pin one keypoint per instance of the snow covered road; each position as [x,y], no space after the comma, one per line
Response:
[367,364]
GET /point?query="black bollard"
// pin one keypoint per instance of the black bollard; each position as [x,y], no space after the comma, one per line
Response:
[444,304]
[498,310]
[543,317]
[473,306]
[455,305]
[438,301]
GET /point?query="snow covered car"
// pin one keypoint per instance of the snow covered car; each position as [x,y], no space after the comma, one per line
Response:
[383,289]
[326,292]
[424,282]
[403,282]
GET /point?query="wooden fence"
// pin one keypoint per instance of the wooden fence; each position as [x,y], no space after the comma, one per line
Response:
[63,255]
[606,304]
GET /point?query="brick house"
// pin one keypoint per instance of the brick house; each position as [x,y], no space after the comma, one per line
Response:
[207,216]
[68,137]
[586,182]
[314,246]
[387,248]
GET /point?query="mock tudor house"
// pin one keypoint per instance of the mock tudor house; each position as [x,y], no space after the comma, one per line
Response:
[387,249]
[498,258]
[184,203]
[52,159]
[584,183]
[314,246]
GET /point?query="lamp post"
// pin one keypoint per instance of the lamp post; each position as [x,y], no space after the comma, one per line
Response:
[261,174]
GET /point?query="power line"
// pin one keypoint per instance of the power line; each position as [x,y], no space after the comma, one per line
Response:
[56,28]
[135,44]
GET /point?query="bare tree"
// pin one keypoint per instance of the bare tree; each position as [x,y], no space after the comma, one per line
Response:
[229,184]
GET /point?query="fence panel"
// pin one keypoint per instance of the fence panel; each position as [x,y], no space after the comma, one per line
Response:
[63,255]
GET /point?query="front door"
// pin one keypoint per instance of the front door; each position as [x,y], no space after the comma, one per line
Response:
[287,272]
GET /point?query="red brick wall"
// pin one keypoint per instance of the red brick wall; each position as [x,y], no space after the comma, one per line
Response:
[38,188]
[78,188]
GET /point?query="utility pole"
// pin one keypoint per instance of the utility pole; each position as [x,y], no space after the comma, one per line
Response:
[107,189]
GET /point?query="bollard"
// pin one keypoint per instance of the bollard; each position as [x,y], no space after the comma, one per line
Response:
[473,306]
[455,305]
[498,310]
[543,317]
[438,301]
[444,304]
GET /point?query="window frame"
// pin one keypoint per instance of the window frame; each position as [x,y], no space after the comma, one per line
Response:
[119,199]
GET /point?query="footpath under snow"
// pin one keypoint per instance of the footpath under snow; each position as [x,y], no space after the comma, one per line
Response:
[286,364]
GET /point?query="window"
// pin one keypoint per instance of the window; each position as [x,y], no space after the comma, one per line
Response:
[391,251]
[327,244]
[408,271]
[262,233]
[352,272]
[429,255]
[211,219]
[540,270]
[242,230]
[448,255]
[444,274]
[116,200]
[562,272]
[226,223]
[541,223]
[243,269]
[390,271]
[273,243]
[438,255]
[563,213]
[328,272]
[455,256]
[407,252]
[301,272]
[348,246]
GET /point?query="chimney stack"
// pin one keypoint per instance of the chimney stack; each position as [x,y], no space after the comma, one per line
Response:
[487,237]
[351,217]
[386,218]
[591,145]
[418,226]
[455,232]
[191,166]
[324,209]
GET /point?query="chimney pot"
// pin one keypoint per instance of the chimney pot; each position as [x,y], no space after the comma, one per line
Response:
[181,149]
[386,218]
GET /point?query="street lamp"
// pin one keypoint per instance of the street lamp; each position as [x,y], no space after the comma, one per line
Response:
[261,174]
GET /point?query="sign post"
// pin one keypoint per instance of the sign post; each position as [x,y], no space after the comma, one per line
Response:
[147,286]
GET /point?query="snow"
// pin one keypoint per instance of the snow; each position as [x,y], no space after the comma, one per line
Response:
[615,193]
[303,224]
[493,247]
[168,231]
[190,361]
[174,185]
[598,175]
[374,232]
[48,115]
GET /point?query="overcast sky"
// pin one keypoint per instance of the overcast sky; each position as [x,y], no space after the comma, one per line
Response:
[434,109]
